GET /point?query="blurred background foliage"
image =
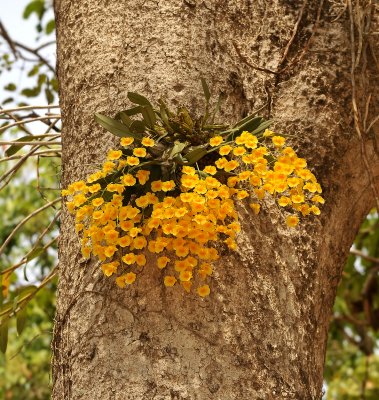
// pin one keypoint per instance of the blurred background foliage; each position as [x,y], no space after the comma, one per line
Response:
[29,258]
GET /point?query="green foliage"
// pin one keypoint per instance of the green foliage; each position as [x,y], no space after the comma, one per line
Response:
[24,370]
[181,137]
[352,362]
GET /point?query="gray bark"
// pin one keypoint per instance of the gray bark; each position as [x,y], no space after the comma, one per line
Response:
[262,333]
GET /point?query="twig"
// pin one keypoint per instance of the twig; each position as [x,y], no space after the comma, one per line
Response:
[25,121]
[25,258]
[47,279]
[5,35]
[246,61]
[45,45]
[295,28]
[36,143]
[365,256]
[295,60]
[29,343]
[24,108]
[38,153]
[25,220]
[34,52]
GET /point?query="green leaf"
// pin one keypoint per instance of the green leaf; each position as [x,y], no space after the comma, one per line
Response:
[11,87]
[7,100]
[25,291]
[179,159]
[207,93]
[263,126]
[49,96]
[164,116]
[168,112]
[177,148]
[1,290]
[34,70]
[245,120]
[123,116]
[35,253]
[139,99]
[16,147]
[31,92]
[217,107]
[21,320]
[252,124]
[42,78]
[50,27]
[4,335]
[133,111]
[116,127]
[185,116]
[149,116]
[36,6]
[137,127]
[196,154]
[54,84]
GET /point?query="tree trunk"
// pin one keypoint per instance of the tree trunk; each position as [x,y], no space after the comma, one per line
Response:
[262,332]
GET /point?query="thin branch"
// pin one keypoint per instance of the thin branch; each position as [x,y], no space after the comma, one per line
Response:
[28,297]
[373,122]
[365,256]
[29,343]
[25,121]
[36,143]
[38,153]
[25,220]
[25,258]
[24,108]
[36,53]
[14,44]
[45,45]
[7,38]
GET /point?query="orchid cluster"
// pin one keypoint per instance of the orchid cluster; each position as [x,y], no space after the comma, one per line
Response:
[170,192]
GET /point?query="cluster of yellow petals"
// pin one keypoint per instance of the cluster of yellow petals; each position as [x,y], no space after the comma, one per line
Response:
[185,231]
[275,170]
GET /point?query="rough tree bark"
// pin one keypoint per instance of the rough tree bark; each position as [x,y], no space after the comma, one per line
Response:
[262,332]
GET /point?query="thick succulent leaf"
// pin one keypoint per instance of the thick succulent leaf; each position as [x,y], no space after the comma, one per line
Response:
[133,111]
[263,126]
[116,127]
[137,98]
[137,127]
[176,149]
[124,117]
[185,116]
[217,107]
[179,159]
[207,92]
[149,116]
[169,113]
[196,154]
